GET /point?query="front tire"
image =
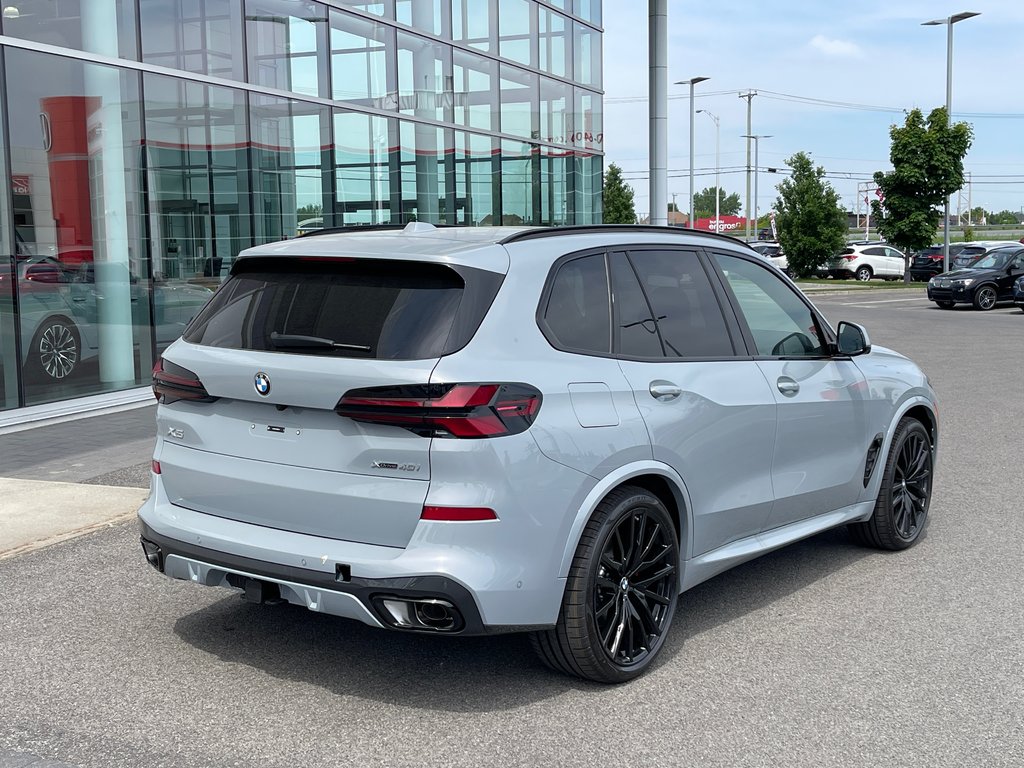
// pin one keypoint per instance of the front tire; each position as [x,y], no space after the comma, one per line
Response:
[985,298]
[901,509]
[55,350]
[621,593]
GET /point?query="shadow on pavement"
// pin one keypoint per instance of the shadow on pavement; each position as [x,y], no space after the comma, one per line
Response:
[476,674]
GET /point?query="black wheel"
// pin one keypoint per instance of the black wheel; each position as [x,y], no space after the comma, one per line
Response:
[985,297]
[55,349]
[864,273]
[902,505]
[945,304]
[621,593]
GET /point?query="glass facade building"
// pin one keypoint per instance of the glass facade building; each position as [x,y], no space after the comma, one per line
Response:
[147,142]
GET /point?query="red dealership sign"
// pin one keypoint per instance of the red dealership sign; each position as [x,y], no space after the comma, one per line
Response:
[20,184]
[725,224]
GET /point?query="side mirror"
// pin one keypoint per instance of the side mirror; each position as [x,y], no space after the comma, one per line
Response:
[852,339]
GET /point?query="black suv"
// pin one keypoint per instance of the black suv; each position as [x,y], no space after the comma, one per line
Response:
[984,284]
[928,263]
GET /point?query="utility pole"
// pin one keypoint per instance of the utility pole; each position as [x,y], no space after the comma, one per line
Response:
[749,96]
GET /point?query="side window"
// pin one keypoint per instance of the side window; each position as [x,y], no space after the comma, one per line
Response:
[635,332]
[874,252]
[894,253]
[782,325]
[689,317]
[577,312]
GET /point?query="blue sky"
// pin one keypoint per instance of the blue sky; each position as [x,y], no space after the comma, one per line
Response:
[869,52]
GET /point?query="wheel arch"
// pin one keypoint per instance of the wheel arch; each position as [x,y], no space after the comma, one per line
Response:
[655,477]
[917,407]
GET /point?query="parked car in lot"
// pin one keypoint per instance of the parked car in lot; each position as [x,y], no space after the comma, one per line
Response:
[975,250]
[1018,293]
[867,261]
[930,262]
[987,282]
[773,252]
[557,430]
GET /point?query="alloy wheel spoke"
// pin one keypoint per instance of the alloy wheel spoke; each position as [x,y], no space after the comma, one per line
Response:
[667,570]
[643,611]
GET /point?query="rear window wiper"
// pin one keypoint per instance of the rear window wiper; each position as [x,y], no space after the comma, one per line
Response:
[296,341]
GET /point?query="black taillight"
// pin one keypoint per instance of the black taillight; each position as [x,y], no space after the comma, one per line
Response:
[446,410]
[171,383]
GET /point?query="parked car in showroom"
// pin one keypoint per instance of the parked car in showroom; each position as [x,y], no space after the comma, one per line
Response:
[477,430]
[931,261]
[983,285]
[864,262]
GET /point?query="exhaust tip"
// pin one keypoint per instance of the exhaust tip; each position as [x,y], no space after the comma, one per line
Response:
[153,553]
[421,614]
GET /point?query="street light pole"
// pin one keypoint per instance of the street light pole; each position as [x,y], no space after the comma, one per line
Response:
[756,137]
[949,22]
[691,82]
[718,190]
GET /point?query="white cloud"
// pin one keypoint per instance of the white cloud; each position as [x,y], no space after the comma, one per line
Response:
[840,48]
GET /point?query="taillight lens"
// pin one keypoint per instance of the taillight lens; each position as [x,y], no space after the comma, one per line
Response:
[172,383]
[850,256]
[446,410]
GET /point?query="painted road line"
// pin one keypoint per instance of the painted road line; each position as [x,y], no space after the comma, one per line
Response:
[884,301]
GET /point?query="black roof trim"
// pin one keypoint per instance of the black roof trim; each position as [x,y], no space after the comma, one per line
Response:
[580,229]
[364,228]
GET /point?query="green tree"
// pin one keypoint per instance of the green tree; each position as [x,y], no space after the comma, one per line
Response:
[618,198]
[1004,217]
[309,211]
[809,217]
[704,203]
[927,159]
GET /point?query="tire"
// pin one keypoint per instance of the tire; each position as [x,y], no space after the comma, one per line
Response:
[985,298]
[901,509]
[864,273]
[945,304]
[608,630]
[55,350]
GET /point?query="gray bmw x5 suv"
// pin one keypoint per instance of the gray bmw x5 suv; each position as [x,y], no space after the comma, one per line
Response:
[555,431]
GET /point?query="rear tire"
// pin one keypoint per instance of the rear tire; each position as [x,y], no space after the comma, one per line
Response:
[54,352]
[901,509]
[864,274]
[621,593]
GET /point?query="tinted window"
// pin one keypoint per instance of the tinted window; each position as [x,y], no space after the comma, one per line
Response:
[636,333]
[680,293]
[781,324]
[374,309]
[875,251]
[577,314]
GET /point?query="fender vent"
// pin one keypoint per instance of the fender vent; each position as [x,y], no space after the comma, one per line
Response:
[873,451]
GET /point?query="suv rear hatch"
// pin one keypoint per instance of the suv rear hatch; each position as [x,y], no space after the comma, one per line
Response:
[248,418]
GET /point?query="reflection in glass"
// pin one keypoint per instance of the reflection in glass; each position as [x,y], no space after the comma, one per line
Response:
[555,200]
[520,181]
[10,255]
[362,173]
[81,272]
[588,183]
[424,77]
[287,45]
[426,154]
[360,49]
[203,36]
[477,179]
[589,10]
[471,24]
[62,24]
[519,109]
[556,122]
[516,21]
[433,16]
[292,174]
[587,55]
[475,97]
[555,43]
[587,121]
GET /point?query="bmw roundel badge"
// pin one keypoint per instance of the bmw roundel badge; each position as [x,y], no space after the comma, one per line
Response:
[262,383]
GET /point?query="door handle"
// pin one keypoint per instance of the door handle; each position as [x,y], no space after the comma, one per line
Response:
[787,386]
[664,390]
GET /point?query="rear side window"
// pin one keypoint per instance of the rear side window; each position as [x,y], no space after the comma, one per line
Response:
[577,314]
[388,310]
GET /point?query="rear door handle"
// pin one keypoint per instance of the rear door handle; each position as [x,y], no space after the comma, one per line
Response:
[787,386]
[664,390]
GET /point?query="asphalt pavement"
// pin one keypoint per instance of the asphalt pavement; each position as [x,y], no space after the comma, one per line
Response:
[820,654]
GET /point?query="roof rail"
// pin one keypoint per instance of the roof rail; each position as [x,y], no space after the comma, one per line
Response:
[579,229]
[371,228]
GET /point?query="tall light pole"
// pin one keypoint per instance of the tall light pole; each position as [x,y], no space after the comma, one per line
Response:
[756,137]
[718,191]
[691,82]
[949,22]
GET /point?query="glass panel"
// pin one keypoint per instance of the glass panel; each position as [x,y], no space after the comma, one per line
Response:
[292,173]
[471,24]
[635,334]
[426,152]
[782,325]
[203,36]
[424,77]
[519,109]
[587,55]
[82,273]
[578,313]
[11,254]
[287,45]
[431,16]
[198,179]
[556,121]
[587,121]
[588,187]
[555,43]
[588,9]
[61,23]
[384,8]
[555,166]
[360,50]
[518,182]
[516,20]
[689,318]
[362,175]
[475,97]
[477,179]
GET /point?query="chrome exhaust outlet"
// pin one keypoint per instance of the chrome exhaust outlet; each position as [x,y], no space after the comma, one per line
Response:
[424,614]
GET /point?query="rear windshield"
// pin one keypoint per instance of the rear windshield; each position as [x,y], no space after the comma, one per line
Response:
[381,309]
